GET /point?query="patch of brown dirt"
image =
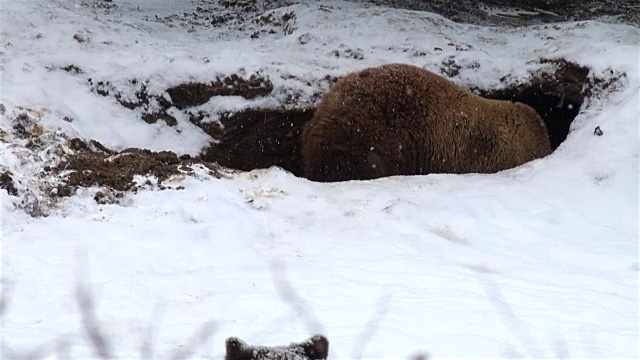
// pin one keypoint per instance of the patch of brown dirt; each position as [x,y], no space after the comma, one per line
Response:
[155,107]
[93,164]
[260,138]
[194,94]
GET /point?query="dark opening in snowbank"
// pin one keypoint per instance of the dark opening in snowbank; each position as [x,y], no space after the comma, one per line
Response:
[556,95]
[258,139]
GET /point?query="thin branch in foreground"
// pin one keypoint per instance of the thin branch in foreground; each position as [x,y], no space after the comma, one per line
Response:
[509,318]
[63,346]
[420,356]
[371,327]
[299,305]
[7,288]
[560,346]
[90,324]
[101,346]
[196,340]
[150,334]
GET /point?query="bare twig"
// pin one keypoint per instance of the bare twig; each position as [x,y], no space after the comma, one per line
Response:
[299,305]
[101,346]
[196,340]
[509,318]
[7,288]
[150,334]
[62,346]
[560,346]
[420,356]
[371,327]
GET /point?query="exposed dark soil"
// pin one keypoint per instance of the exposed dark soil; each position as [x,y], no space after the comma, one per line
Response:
[6,183]
[155,106]
[255,139]
[194,94]
[93,164]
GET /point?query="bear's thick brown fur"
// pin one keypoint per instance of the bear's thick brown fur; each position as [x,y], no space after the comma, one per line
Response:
[399,119]
[314,348]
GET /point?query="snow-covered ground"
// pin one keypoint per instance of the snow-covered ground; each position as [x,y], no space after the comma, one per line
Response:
[538,261]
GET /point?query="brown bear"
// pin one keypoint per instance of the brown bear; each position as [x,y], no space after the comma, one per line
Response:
[314,348]
[399,119]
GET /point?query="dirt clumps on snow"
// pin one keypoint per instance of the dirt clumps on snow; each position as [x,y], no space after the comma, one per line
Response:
[190,94]
[194,94]
[93,164]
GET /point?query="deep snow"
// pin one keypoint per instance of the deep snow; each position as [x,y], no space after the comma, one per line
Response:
[538,261]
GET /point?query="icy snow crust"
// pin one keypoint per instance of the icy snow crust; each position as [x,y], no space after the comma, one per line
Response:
[538,261]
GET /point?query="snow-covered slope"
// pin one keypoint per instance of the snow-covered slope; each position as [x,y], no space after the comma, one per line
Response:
[538,261]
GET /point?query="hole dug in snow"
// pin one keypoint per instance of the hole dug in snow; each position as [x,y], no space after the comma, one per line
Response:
[261,138]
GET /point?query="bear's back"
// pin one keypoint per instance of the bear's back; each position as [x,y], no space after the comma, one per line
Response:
[395,95]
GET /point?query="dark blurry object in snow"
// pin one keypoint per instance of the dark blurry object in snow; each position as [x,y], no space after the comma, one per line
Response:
[598,131]
[6,182]
[81,38]
[106,196]
[314,348]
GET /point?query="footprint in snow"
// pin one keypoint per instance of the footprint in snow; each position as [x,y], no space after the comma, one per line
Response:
[445,232]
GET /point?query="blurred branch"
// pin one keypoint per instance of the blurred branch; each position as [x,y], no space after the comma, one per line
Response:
[371,327]
[299,305]
[509,318]
[150,333]
[7,288]
[196,340]
[90,324]
[86,305]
